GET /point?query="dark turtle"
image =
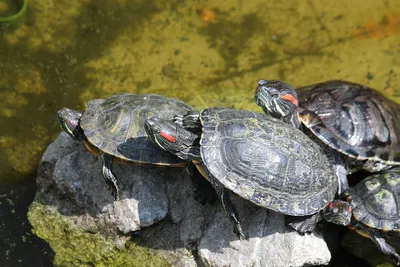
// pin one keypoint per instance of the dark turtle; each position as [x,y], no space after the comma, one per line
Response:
[374,209]
[354,120]
[260,158]
[114,127]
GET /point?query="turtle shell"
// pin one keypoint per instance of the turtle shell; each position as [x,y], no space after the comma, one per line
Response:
[116,126]
[376,200]
[266,161]
[352,119]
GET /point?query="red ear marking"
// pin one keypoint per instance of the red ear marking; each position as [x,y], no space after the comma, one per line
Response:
[331,205]
[168,137]
[291,98]
[349,209]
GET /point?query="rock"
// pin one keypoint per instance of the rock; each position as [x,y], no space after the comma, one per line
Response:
[159,210]
[269,242]
[364,248]
[69,178]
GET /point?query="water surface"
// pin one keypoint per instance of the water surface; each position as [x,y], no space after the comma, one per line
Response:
[208,53]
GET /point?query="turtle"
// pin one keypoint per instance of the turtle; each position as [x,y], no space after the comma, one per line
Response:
[259,158]
[114,128]
[358,127]
[371,208]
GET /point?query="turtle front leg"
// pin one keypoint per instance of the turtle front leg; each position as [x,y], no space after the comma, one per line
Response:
[203,190]
[228,206]
[109,176]
[303,224]
[341,173]
[380,241]
[340,168]
[338,163]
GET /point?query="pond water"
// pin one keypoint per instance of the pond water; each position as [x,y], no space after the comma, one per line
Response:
[207,53]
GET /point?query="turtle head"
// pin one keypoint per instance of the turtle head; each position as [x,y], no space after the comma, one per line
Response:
[338,212]
[173,138]
[279,100]
[69,122]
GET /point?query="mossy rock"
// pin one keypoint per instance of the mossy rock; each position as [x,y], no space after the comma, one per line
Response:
[75,247]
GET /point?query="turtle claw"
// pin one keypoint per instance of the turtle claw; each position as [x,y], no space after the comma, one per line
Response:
[204,198]
[302,224]
[237,229]
[114,191]
[396,259]
[392,256]
[204,193]
[116,196]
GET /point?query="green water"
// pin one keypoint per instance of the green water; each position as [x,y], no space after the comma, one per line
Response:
[62,53]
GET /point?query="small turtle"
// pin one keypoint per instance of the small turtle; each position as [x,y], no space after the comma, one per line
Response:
[260,158]
[114,128]
[372,209]
[357,125]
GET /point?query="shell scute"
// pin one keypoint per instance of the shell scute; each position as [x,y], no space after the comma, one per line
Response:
[266,161]
[116,126]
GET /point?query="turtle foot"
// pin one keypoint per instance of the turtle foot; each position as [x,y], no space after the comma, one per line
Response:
[114,192]
[205,196]
[203,191]
[302,224]
[396,259]
[237,229]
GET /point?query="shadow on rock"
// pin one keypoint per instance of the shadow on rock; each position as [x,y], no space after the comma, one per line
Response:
[70,180]
[187,233]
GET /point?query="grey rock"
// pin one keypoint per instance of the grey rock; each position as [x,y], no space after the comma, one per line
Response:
[268,243]
[187,233]
[365,249]
[69,177]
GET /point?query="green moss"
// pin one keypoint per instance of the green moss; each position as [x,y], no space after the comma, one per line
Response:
[75,247]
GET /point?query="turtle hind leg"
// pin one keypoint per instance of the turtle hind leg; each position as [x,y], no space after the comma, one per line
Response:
[228,207]
[109,176]
[203,190]
[303,224]
[380,241]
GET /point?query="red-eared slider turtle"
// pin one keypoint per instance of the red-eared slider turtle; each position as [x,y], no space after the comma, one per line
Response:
[260,158]
[374,209]
[114,128]
[354,120]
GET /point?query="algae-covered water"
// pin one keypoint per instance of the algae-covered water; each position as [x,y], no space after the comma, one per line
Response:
[207,53]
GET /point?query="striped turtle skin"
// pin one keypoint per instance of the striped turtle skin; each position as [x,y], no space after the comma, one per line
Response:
[266,161]
[375,201]
[116,126]
[355,120]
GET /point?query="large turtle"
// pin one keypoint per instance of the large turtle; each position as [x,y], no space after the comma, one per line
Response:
[357,125]
[374,209]
[114,128]
[260,158]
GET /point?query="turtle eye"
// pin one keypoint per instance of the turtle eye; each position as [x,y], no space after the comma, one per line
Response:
[273,93]
[168,137]
[290,98]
